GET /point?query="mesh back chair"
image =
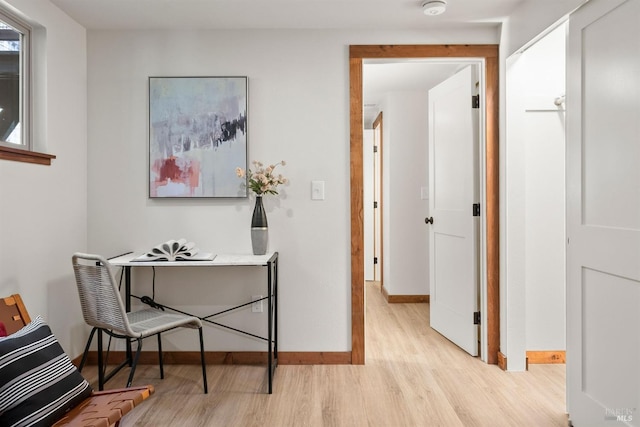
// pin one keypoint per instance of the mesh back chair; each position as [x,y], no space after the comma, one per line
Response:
[103,309]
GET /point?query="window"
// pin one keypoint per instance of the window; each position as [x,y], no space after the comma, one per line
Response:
[14,82]
[15,92]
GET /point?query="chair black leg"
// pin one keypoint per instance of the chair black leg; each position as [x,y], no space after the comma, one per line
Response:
[160,357]
[204,367]
[135,362]
[100,362]
[86,350]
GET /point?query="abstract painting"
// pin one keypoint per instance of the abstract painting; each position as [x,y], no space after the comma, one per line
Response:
[197,136]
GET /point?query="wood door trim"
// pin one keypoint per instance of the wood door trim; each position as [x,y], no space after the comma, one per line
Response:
[357,53]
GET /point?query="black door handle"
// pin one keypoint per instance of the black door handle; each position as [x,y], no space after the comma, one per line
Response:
[428,220]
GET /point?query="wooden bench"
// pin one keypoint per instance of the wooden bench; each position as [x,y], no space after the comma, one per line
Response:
[102,408]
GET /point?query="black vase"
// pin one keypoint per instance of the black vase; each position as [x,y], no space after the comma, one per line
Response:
[259,230]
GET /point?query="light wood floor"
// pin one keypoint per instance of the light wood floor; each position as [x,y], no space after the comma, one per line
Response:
[412,377]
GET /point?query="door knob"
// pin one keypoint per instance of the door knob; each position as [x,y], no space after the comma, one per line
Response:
[428,220]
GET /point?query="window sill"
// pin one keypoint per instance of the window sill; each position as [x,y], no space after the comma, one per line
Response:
[25,156]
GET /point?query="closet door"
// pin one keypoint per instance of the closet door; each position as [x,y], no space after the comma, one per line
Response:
[603,214]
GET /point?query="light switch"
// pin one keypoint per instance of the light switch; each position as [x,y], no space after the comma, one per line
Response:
[317,190]
[424,193]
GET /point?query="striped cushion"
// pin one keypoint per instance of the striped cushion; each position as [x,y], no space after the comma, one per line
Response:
[38,382]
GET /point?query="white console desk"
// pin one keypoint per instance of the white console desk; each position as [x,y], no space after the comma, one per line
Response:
[270,261]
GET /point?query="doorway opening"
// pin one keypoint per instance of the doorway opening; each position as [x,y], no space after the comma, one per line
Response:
[490,294]
[373,206]
[535,204]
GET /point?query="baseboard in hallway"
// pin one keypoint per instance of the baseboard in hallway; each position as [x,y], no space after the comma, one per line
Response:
[400,299]
[546,357]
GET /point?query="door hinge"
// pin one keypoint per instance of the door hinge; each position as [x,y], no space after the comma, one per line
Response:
[375,259]
[476,209]
[476,317]
[475,101]
[375,148]
[375,205]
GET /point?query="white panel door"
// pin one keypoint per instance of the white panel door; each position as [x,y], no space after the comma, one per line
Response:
[367,189]
[377,197]
[453,256]
[603,214]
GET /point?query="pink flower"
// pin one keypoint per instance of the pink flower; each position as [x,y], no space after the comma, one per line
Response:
[262,180]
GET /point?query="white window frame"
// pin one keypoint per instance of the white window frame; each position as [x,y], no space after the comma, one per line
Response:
[25,79]
[25,150]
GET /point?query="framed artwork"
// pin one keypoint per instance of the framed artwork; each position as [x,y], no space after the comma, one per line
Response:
[197,136]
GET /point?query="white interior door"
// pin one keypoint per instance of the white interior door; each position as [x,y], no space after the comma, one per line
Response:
[367,200]
[377,198]
[453,235]
[603,214]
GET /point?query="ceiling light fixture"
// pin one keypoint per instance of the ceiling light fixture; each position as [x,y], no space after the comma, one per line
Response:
[433,8]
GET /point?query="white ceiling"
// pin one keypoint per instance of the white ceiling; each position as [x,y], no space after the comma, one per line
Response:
[378,78]
[382,77]
[281,14]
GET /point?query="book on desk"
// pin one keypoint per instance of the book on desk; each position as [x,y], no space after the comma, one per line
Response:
[175,250]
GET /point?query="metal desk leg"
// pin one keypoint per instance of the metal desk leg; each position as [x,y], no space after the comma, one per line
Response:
[127,303]
[275,311]
[270,327]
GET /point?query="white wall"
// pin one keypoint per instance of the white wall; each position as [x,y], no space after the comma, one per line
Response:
[293,115]
[545,239]
[513,225]
[43,209]
[405,158]
[291,85]
[298,111]
[535,198]
[533,17]
[525,24]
